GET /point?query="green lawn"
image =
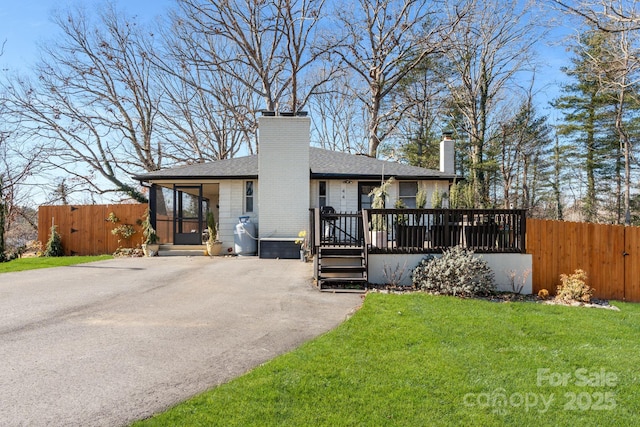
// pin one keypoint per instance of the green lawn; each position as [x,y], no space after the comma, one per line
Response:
[46,262]
[420,360]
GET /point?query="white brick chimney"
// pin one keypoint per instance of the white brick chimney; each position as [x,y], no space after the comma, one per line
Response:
[283,175]
[447,154]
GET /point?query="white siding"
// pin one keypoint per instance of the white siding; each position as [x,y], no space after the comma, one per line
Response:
[337,193]
[349,197]
[231,207]
[343,196]
[431,188]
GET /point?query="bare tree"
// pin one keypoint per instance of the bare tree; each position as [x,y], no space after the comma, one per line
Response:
[95,100]
[491,45]
[211,121]
[381,42]
[19,159]
[621,77]
[338,117]
[607,15]
[524,139]
[424,93]
[273,40]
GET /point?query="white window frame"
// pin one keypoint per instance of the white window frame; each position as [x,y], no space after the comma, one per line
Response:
[409,200]
[324,196]
[250,197]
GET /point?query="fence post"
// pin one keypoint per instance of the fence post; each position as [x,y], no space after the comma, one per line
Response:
[365,227]
[523,231]
[316,232]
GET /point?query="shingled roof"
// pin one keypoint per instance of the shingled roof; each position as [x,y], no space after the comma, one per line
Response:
[323,164]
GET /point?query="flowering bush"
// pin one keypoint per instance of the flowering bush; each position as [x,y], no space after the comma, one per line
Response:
[457,272]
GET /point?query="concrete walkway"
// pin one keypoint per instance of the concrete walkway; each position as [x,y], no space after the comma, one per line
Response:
[106,343]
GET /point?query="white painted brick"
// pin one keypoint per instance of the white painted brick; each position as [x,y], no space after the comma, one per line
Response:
[283,168]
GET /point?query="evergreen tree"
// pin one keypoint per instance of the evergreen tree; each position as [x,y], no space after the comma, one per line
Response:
[54,244]
[423,92]
[587,118]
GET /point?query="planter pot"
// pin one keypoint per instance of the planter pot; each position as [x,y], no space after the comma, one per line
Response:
[150,249]
[379,239]
[214,248]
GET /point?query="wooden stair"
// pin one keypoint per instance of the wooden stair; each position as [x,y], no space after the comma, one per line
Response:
[341,269]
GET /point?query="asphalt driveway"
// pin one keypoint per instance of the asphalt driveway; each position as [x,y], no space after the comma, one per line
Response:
[106,343]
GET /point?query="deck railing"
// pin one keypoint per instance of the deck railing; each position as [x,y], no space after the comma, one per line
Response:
[336,229]
[422,230]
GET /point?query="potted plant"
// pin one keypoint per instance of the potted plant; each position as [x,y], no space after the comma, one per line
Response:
[304,246]
[214,246]
[421,197]
[150,245]
[379,221]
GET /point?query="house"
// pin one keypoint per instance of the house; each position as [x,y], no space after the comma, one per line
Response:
[276,188]
[263,202]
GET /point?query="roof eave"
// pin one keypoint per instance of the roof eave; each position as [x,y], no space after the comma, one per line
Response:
[376,177]
[148,178]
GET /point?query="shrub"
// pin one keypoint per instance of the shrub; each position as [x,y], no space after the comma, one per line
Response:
[574,287]
[150,237]
[457,272]
[54,244]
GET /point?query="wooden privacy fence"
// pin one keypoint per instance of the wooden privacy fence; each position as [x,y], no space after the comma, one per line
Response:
[84,229]
[610,254]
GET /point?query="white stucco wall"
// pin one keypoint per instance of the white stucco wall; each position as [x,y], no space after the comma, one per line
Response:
[283,168]
[500,264]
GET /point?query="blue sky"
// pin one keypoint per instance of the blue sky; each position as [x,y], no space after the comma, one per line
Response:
[24,23]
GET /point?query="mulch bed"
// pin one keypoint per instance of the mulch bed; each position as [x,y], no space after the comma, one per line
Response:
[504,297]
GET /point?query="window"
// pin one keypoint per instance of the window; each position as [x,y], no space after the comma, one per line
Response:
[322,194]
[248,196]
[364,189]
[408,190]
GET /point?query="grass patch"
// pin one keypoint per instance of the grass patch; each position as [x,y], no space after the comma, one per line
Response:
[22,264]
[416,359]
